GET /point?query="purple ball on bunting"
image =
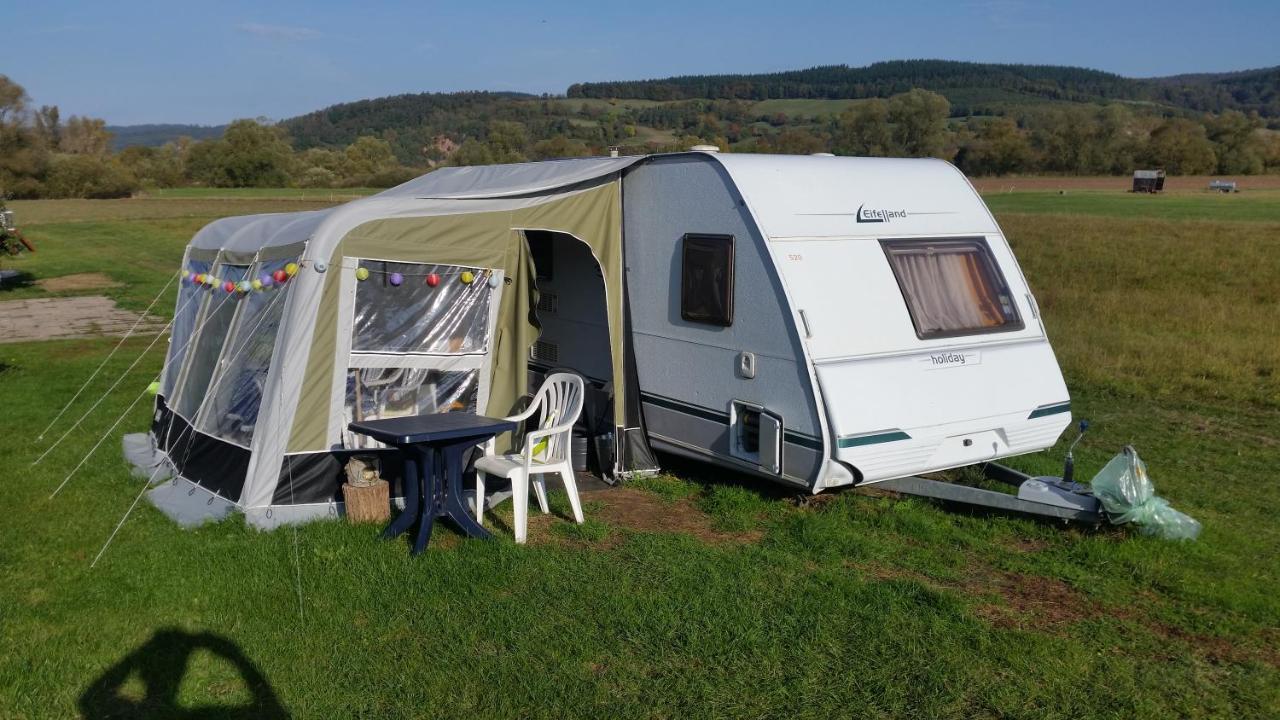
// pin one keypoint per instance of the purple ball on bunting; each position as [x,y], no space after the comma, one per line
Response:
[395,279]
[265,279]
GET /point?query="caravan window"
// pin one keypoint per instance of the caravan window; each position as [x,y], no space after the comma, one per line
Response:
[706,279]
[952,287]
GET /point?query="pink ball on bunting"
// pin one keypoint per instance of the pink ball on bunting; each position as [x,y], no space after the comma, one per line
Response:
[433,280]
[229,286]
[281,276]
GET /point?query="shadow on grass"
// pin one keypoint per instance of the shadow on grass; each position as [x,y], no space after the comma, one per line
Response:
[709,475]
[15,280]
[159,665]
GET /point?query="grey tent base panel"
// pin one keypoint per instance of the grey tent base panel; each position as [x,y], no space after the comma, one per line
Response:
[148,461]
[188,504]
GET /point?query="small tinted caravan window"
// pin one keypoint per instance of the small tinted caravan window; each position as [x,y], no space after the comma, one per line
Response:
[706,279]
[952,287]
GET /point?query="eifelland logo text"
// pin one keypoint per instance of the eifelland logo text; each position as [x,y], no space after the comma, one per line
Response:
[878,216]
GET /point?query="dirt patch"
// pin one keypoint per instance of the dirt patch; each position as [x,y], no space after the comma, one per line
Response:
[1030,602]
[73,317]
[645,512]
[629,509]
[1007,599]
[79,281]
[1026,546]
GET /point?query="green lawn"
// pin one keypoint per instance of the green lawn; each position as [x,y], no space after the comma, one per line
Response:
[858,606]
[1257,206]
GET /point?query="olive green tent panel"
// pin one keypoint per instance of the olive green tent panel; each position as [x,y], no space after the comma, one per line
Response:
[493,239]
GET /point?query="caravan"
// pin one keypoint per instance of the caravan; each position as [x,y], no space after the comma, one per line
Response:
[817,321]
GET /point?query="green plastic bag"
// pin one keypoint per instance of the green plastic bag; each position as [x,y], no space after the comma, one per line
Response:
[1126,493]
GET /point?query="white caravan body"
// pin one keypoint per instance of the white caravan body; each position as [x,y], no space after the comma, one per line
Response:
[889,401]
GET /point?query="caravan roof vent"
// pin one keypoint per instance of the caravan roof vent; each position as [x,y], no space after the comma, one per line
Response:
[705,148]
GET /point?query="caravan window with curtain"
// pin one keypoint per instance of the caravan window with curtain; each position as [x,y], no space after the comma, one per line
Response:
[706,279]
[952,287]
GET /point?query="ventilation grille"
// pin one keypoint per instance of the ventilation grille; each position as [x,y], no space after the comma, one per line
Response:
[548,302]
[544,351]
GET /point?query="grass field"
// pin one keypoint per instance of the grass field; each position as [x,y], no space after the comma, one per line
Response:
[1166,325]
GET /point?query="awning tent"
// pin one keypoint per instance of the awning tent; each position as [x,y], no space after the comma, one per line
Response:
[261,380]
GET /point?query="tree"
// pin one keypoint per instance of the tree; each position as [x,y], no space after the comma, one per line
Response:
[48,126]
[559,147]
[1180,147]
[1236,141]
[507,140]
[23,158]
[472,152]
[996,147]
[13,101]
[85,136]
[368,156]
[248,154]
[89,176]
[863,130]
[919,119]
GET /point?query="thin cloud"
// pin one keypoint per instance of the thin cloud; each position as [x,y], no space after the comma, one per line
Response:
[278,32]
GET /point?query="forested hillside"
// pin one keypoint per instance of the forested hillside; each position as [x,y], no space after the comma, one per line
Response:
[987,119]
[960,82]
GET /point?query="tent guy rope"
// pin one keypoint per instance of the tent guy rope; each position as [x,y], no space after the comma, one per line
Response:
[137,323]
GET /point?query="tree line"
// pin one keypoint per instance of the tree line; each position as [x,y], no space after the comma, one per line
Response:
[1252,90]
[380,143]
[44,156]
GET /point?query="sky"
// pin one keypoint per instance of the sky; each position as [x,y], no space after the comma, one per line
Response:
[209,63]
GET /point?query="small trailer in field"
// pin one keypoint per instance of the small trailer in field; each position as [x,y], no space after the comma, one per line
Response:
[817,321]
[1148,181]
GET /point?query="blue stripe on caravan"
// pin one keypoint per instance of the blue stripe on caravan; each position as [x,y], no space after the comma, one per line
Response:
[1053,409]
[872,438]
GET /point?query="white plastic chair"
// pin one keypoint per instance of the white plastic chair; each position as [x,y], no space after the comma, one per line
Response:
[546,450]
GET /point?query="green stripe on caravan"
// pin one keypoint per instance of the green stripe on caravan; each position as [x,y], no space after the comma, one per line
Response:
[872,438]
[1046,410]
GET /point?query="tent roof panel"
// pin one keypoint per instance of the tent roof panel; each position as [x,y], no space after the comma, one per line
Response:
[498,181]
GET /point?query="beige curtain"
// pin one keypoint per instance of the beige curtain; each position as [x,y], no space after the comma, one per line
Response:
[948,291]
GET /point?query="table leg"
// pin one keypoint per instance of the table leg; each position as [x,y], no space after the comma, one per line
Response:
[454,506]
[429,461]
[411,484]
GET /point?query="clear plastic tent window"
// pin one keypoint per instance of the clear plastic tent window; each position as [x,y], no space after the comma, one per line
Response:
[376,393]
[416,317]
[211,333]
[184,323]
[231,409]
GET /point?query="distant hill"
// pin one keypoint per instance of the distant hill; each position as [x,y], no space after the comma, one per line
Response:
[652,114]
[965,84]
[157,135]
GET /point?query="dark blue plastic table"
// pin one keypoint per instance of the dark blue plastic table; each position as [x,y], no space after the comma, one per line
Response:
[432,447]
